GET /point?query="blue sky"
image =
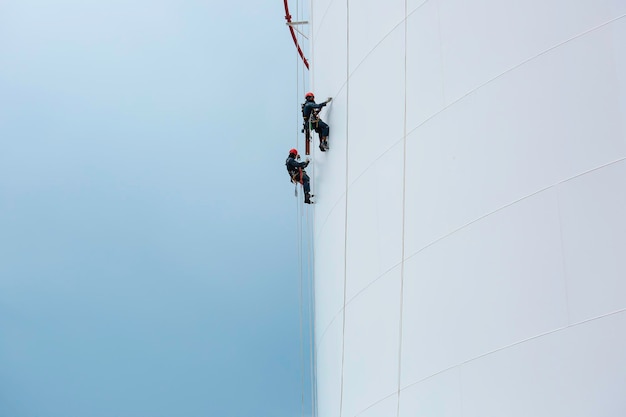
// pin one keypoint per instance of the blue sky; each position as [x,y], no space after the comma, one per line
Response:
[148,256]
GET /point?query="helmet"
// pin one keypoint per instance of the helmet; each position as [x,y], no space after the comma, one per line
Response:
[309,94]
[293,151]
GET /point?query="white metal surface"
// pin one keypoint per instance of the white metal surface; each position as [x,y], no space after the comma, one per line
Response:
[470,231]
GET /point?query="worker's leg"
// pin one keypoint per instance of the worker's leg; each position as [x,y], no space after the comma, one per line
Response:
[323,132]
[306,183]
[323,129]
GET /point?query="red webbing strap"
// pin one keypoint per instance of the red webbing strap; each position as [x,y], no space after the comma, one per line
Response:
[307,139]
[293,35]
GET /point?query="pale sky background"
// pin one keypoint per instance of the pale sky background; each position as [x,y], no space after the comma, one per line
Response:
[148,246]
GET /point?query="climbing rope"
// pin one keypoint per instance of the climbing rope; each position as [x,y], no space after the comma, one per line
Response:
[300,257]
[305,245]
[312,361]
[293,34]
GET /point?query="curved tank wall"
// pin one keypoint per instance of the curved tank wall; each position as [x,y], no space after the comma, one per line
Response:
[470,225]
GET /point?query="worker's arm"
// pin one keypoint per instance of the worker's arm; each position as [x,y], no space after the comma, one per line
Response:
[295,164]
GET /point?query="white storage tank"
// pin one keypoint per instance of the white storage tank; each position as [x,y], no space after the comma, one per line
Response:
[470,225]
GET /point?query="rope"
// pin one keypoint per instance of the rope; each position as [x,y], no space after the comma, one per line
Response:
[305,261]
[293,35]
[299,237]
[312,350]
[310,257]
[311,289]
[301,316]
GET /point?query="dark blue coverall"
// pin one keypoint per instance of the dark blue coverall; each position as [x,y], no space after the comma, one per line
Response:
[322,128]
[298,174]
[295,168]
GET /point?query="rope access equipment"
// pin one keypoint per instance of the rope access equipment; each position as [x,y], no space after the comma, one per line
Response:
[293,34]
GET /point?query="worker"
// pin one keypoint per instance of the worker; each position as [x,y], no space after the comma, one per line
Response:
[298,174]
[310,112]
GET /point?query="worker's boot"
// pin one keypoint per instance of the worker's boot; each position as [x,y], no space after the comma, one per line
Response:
[325,142]
[307,198]
[322,147]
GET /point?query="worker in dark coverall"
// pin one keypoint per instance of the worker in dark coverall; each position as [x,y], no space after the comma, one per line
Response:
[298,174]
[310,111]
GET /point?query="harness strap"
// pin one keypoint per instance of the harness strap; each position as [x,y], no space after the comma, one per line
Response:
[294,175]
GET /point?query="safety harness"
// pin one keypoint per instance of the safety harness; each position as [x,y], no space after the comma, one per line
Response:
[294,176]
[294,173]
[312,122]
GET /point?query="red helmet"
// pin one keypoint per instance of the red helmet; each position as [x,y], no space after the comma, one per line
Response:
[293,151]
[309,94]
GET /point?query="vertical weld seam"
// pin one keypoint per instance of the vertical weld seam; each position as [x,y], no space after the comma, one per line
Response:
[562,245]
[345,230]
[403,213]
[314,400]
